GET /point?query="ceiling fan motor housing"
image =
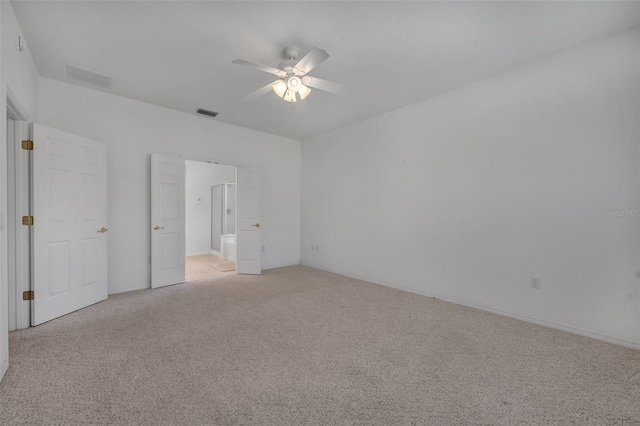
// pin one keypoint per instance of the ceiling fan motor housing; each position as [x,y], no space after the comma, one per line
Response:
[291,52]
[291,55]
[287,65]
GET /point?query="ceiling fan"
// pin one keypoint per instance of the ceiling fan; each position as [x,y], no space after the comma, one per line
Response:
[293,84]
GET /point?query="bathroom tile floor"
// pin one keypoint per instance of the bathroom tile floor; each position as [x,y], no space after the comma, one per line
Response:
[201,267]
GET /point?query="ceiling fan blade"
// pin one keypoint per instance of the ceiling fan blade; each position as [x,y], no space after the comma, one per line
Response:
[260,67]
[261,91]
[310,61]
[327,86]
[301,105]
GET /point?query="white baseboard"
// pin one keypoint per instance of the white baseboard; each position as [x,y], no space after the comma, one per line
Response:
[215,253]
[284,265]
[197,253]
[527,318]
[133,287]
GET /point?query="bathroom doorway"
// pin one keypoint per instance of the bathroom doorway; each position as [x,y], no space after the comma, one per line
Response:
[210,213]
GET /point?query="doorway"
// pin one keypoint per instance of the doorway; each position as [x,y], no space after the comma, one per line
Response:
[211,217]
[17,190]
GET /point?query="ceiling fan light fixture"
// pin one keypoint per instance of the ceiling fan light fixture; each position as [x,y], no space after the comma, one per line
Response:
[304,91]
[294,83]
[289,96]
[280,88]
[283,89]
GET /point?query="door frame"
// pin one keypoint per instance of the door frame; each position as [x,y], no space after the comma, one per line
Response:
[18,204]
[221,163]
[9,106]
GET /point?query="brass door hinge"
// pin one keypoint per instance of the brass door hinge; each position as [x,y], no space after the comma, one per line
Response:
[28,295]
[27,220]
[28,145]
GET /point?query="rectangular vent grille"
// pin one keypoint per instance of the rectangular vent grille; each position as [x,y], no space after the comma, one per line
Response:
[88,76]
[206,112]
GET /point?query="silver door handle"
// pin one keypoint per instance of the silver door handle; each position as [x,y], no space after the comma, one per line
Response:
[158,227]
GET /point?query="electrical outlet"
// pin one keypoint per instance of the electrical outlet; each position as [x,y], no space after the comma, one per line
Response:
[535,282]
[263,249]
[312,247]
[317,247]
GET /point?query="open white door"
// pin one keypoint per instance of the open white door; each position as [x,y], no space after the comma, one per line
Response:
[248,234]
[69,208]
[167,220]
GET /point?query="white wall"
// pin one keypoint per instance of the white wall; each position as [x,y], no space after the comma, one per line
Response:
[200,177]
[133,130]
[18,68]
[20,77]
[505,179]
[4,290]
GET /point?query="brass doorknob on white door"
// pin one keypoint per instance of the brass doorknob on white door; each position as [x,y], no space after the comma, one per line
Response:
[102,230]
[257,225]
[158,227]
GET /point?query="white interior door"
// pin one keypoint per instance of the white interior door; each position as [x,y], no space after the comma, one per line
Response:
[69,207]
[167,220]
[248,234]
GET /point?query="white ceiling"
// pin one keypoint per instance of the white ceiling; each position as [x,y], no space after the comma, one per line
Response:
[178,54]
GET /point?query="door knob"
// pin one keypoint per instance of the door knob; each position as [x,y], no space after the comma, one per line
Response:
[257,225]
[158,227]
[102,230]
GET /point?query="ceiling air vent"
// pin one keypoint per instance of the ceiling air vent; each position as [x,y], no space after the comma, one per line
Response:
[206,112]
[88,76]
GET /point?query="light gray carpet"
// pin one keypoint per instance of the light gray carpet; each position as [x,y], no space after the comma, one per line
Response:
[299,346]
